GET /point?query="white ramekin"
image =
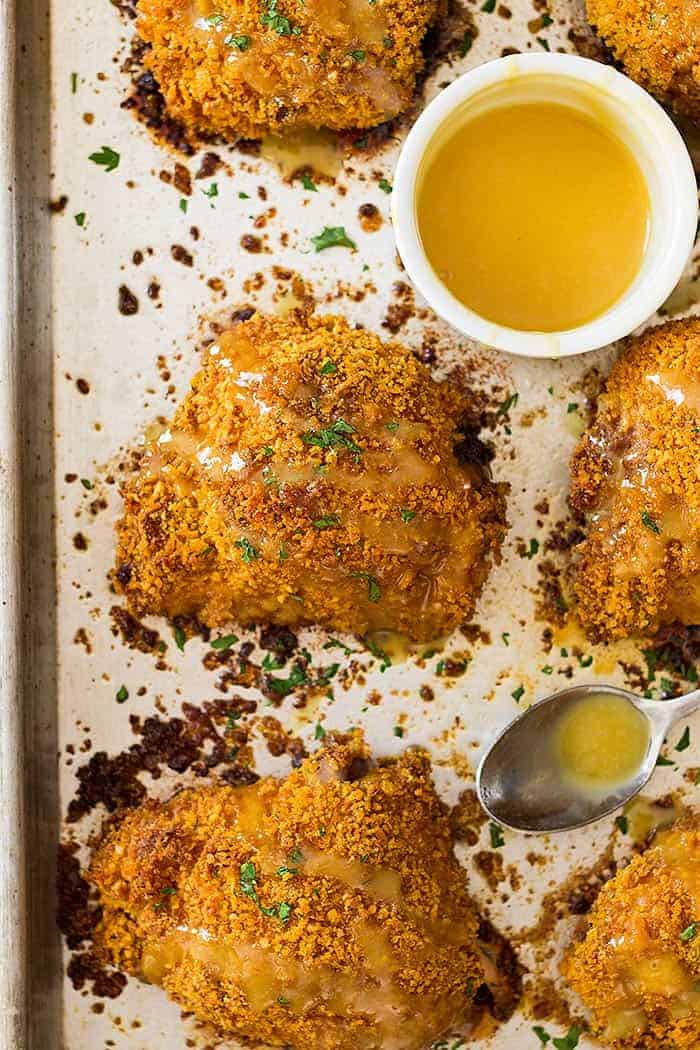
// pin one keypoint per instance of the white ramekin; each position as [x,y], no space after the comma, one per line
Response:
[662,157]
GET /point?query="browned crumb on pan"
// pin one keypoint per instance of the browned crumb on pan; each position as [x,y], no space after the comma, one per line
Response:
[635,480]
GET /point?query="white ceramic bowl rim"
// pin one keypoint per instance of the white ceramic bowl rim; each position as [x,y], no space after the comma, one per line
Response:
[675,168]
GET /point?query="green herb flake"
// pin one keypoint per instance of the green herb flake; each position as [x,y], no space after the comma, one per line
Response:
[690,931]
[572,405]
[212,191]
[385,186]
[622,823]
[649,523]
[332,237]
[374,591]
[80,218]
[684,742]
[518,693]
[505,638]
[585,661]
[86,483]
[545,44]
[569,1041]
[392,427]
[73,83]
[496,835]
[248,880]
[282,554]
[308,183]
[284,911]
[277,22]
[213,20]
[225,642]
[532,549]
[334,436]
[334,643]
[662,761]
[489,6]
[328,521]
[511,401]
[284,686]
[547,669]
[231,719]
[543,1036]
[319,732]
[358,56]
[241,42]
[106,158]
[377,651]
[328,369]
[466,44]
[184,205]
[180,638]
[271,663]
[243,196]
[547,20]
[248,551]
[122,694]
[407,515]
[398,730]
[282,1001]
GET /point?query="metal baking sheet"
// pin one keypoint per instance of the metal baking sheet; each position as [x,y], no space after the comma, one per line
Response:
[79,386]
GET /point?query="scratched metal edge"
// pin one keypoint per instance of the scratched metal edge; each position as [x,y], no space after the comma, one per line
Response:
[12,840]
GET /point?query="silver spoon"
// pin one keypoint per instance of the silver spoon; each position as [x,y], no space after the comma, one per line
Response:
[522,786]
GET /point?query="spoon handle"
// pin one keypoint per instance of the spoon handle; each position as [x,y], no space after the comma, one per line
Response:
[682,705]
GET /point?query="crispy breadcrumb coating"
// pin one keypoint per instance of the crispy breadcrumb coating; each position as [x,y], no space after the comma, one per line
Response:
[635,475]
[326,910]
[246,68]
[658,43]
[312,474]
[638,969]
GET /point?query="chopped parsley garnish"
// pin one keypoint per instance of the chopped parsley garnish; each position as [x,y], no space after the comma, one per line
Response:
[662,761]
[567,1042]
[385,186]
[122,694]
[319,732]
[284,686]
[547,669]
[649,523]
[505,638]
[277,22]
[241,42]
[248,880]
[107,158]
[271,663]
[214,20]
[374,591]
[532,549]
[510,402]
[166,892]
[334,436]
[328,521]
[248,551]
[407,515]
[80,218]
[86,483]
[359,56]
[180,638]
[518,693]
[398,730]
[585,661]
[572,405]
[684,742]
[328,369]
[466,44]
[184,205]
[243,196]
[388,41]
[545,44]
[543,1036]
[308,183]
[622,823]
[690,931]
[282,1001]
[392,427]
[381,654]
[212,192]
[225,642]
[333,643]
[284,910]
[547,20]
[489,6]
[231,718]
[332,237]
[496,834]
[283,554]
[73,83]
[328,673]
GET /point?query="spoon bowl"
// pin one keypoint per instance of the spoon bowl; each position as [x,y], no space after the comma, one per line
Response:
[523,786]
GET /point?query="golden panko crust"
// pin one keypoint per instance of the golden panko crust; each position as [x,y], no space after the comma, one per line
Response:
[326,910]
[658,43]
[638,969]
[635,475]
[247,68]
[312,474]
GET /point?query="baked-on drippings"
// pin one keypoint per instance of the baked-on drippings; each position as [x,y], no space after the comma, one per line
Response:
[325,928]
[312,474]
[638,969]
[635,475]
[533,214]
[658,43]
[246,70]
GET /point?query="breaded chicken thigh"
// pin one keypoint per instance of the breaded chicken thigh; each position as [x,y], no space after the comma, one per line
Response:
[323,911]
[246,68]
[638,969]
[312,474]
[635,476]
[658,43]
